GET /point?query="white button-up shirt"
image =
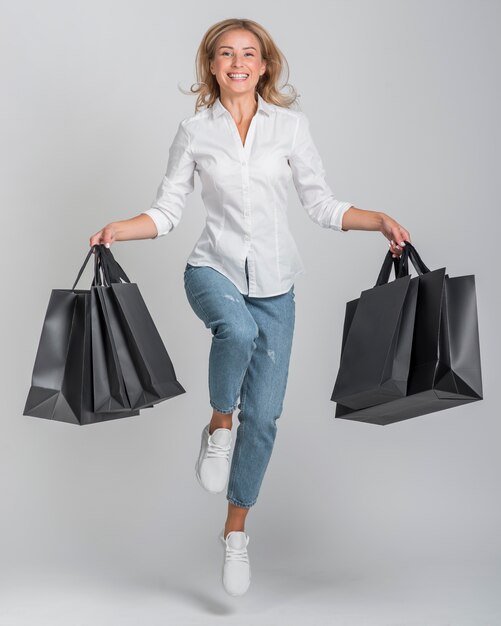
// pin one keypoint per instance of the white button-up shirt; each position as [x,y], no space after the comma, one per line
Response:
[244,189]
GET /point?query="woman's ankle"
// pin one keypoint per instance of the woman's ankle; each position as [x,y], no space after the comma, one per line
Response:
[229,529]
[213,426]
[220,420]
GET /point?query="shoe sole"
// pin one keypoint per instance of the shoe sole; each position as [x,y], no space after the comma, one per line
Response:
[197,464]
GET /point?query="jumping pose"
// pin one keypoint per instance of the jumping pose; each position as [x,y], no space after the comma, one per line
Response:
[247,144]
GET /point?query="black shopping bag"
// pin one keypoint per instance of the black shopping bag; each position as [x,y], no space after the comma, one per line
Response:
[445,368]
[61,386]
[111,393]
[144,365]
[377,341]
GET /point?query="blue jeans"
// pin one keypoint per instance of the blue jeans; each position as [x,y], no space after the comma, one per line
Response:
[249,360]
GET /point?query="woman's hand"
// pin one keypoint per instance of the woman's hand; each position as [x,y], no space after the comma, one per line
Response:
[395,233]
[106,236]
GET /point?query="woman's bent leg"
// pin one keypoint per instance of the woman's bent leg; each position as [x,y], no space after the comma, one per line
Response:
[219,304]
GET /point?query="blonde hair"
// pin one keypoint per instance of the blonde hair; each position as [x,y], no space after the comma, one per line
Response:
[208,87]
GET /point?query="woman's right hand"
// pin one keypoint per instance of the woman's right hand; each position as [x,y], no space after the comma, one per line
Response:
[106,236]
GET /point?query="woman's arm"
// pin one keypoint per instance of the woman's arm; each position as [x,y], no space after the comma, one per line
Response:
[139,227]
[165,213]
[308,174]
[360,219]
[319,202]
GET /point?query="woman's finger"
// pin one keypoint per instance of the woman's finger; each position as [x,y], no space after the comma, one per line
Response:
[404,235]
[398,236]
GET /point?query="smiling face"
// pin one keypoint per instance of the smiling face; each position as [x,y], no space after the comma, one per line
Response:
[237,63]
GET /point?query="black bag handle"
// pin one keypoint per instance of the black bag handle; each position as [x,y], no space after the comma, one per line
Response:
[83,267]
[111,270]
[107,276]
[384,273]
[115,269]
[108,273]
[411,253]
[401,265]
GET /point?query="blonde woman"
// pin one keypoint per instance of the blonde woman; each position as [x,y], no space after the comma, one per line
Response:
[247,144]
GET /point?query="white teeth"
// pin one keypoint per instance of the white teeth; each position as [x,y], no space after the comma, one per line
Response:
[238,75]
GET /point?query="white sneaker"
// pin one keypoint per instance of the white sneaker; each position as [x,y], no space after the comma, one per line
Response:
[212,466]
[236,568]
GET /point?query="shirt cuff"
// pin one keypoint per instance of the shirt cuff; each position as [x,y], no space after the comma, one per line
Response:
[162,222]
[337,218]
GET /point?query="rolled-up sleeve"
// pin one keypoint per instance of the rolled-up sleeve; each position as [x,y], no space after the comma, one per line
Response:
[308,174]
[167,209]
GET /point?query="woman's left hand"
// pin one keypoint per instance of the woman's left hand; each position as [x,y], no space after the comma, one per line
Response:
[395,233]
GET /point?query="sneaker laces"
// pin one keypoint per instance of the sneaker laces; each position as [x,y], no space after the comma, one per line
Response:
[237,554]
[216,450]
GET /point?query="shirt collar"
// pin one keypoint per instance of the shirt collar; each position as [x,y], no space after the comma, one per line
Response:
[218,108]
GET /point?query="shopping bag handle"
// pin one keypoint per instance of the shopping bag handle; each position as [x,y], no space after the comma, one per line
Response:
[105,278]
[109,275]
[401,265]
[83,267]
[114,268]
[384,273]
[411,253]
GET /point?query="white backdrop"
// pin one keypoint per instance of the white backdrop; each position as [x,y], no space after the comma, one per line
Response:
[404,104]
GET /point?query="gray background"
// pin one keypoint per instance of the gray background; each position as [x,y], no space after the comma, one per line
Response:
[355,523]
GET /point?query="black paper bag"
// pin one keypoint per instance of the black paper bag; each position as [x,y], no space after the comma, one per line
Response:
[445,368]
[113,391]
[61,386]
[377,342]
[144,364]
[110,393]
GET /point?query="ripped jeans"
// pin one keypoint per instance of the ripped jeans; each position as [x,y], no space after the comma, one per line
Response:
[248,361]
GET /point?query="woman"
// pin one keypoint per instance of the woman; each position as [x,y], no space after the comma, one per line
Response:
[246,144]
